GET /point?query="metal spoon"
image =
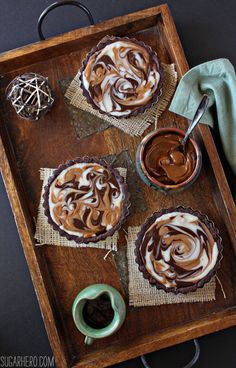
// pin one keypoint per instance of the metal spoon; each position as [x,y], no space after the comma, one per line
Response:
[198,114]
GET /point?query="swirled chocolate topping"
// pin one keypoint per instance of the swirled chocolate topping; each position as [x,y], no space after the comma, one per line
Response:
[85,200]
[121,77]
[165,160]
[178,250]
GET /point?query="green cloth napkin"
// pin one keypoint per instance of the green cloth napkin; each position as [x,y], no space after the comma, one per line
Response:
[217,79]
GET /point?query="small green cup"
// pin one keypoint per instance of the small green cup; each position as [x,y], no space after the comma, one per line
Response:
[92,292]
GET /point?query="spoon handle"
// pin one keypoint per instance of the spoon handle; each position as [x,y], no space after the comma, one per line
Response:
[199,113]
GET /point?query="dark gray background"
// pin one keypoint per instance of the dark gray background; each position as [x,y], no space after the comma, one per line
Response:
[207,29]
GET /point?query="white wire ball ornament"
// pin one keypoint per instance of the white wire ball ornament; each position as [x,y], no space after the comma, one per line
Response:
[30,95]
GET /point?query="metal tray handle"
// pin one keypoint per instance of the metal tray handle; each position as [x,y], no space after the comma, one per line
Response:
[57,4]
[189,365]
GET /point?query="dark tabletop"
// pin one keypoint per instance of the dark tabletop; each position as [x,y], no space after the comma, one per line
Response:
[207,30]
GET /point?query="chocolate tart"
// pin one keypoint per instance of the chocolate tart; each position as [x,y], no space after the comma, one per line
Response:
[121,95]
[178,250]
[86,200]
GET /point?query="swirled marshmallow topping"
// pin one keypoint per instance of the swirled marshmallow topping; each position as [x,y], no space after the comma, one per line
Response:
[85,200]
[121,77]
[178,250]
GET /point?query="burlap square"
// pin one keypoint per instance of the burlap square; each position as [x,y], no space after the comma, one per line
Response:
[141,293]
[45,234]
[134,126]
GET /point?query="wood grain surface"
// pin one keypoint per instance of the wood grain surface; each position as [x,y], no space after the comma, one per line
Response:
[60,273]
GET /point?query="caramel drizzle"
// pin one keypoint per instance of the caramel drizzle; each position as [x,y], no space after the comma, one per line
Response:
[86,200]
[121,77]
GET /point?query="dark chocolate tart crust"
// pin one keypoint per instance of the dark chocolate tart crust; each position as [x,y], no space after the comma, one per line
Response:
[211,227]
[140,109]
[125,204]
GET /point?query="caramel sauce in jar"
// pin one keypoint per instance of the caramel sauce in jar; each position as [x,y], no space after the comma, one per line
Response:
[166,161]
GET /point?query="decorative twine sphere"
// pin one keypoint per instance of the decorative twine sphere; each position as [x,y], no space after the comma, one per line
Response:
[30,95]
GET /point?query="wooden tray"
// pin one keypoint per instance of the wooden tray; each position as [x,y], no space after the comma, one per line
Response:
[59,273]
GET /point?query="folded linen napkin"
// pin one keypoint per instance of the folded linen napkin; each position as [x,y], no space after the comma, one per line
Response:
[217,79]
